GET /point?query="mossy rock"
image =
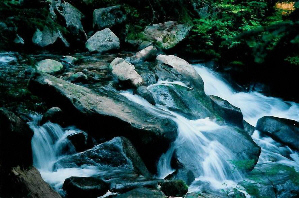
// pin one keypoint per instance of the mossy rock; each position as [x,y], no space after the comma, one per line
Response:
[49,66]
[176,188]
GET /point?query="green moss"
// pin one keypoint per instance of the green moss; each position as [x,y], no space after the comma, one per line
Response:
[243,164]
[176,188]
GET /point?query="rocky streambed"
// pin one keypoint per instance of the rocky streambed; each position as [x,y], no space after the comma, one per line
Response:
[140,124]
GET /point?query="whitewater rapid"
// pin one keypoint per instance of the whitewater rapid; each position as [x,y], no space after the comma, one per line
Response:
[209,157]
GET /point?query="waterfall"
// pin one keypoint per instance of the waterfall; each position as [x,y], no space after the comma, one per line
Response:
[252,104]
[255,105]
[209,159]
[49,144]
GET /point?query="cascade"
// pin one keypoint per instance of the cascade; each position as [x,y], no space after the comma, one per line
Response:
[49,144]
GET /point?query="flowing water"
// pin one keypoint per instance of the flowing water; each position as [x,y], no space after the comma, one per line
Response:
[254,105]
[49,144]
[208,158]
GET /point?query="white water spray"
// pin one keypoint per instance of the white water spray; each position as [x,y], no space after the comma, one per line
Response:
[254,105]
[49,144]
[207,158]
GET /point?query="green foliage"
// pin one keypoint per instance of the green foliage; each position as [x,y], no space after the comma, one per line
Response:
[294,60]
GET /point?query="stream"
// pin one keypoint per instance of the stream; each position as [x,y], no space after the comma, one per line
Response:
[205,154]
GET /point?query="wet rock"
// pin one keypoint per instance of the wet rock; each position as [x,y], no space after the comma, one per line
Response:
[248,128]
[168,34]
[272,180]
[15,141]
[78,77]
[181,173]
[142,193]
[24,182]
[89,187]
[244,153]
[125,72]
[148,53]
[69,59]
[48,37]
[182,100]
[146,72]
[54,115]
[230,113]
[125,186]
[108,17]
[183,68]
[146,94]
[281,129]
[80,141]
[49,66]
[149,133]
[102,41]
[176,188]
[117,153]
[72,17]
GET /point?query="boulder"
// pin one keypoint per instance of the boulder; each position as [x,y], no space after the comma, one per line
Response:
[183,68]
[24,182]
[72,17]
[54,115]
[108,17]
[188,102]
[89,187]
[125,72]
[230,113]
[115,114]
[166,35]
[282,130]
[102,41]
[116,154]
[142,193]
[15,141]
[175,188]
[49,66]
[48,37]
[272,180]
[80,141]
